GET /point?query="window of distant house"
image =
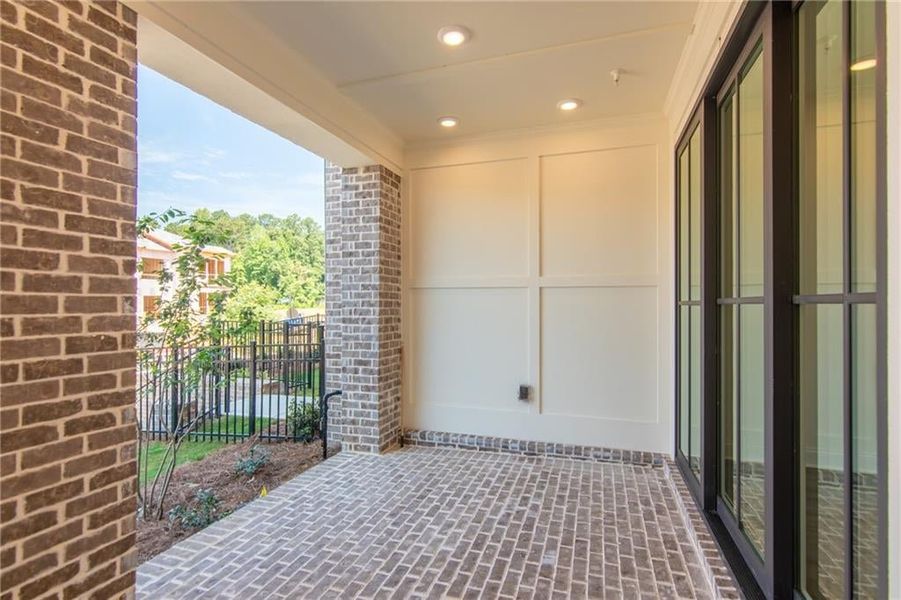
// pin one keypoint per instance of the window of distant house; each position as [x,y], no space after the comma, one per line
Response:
[214,268]
[151,268]
[203,303]
[151,304]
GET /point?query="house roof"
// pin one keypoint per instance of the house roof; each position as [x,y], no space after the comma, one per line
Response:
[160,239]
[148,244]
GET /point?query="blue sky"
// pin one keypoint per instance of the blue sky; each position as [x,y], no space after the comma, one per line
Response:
[194,153]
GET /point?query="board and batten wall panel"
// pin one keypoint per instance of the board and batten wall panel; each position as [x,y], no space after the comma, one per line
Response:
[472,347]
[472,221]
[598,352]
[599,214]
[542,259]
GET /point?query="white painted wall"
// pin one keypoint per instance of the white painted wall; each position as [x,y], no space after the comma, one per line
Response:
[542,258]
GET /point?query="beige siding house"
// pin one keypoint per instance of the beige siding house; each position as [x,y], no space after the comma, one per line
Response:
[156,253]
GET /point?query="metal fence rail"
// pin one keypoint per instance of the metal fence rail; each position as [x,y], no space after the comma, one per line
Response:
[298,330]
[233,392]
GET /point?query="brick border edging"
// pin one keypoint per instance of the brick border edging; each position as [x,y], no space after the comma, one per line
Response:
[719,575]
[485,443]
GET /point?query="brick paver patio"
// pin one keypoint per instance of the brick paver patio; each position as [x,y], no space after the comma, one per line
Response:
[439,522]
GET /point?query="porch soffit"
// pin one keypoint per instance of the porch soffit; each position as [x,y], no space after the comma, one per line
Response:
[359,82]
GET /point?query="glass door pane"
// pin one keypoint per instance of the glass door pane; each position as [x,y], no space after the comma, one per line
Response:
[863,147]
[750,179]
[694,457]
[741,422]
[751,432]
[684,378]
[865,517]
[727,200]
[821,386]
[684,224]
[820,128]
[728,415]
[689,301]
[694,195]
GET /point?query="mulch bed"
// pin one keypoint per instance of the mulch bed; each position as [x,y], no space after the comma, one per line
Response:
[216,472]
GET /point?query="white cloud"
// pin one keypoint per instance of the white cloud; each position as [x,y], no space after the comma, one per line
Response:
[185,176]
[150,157]
[235,174]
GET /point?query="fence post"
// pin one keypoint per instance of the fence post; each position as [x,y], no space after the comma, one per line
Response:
[252,426]
[175,393]
[286,371]
[217,380]
[228,375]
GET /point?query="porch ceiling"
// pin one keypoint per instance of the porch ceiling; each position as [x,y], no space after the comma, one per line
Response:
[521,60]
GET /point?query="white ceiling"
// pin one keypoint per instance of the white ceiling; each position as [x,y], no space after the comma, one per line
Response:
[523,57]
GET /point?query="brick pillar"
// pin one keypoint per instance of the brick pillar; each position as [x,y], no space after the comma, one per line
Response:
[333,263]
[363,305]
[67,263]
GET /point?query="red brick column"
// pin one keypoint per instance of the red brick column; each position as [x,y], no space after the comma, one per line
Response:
[67,258]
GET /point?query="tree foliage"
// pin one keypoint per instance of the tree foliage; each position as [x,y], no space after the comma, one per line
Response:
[280,261]
[188,346]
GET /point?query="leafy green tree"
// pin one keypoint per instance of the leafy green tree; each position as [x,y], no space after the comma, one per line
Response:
[187,351]
[287,256]
[218,226]
[251,303]
[284,257]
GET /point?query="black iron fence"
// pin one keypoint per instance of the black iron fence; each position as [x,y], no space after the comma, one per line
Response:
[272,389]
[298,330]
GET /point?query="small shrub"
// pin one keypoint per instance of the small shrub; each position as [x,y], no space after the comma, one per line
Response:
[303,420]
[205,511]
[252,462]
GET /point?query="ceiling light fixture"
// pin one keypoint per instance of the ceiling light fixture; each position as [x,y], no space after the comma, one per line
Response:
[864,65]
[448,122]
[453,35]
[569,104]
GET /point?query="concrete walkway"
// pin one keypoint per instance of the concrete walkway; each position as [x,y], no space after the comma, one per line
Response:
[444,523]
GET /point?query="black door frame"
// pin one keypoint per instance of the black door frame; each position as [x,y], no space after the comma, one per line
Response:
[774,24]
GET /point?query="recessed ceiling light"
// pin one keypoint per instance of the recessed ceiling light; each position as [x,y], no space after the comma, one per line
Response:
[863,65]
[569,104]
[448,122]
[453,35]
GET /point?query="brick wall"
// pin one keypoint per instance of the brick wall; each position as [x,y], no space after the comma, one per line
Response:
[67,192]
[363,305]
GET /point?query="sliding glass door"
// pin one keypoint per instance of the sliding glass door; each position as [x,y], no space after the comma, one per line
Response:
[741,393]
[688,294]
[780,311]
[838,507]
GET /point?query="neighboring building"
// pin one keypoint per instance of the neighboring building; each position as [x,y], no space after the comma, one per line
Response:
[156,253]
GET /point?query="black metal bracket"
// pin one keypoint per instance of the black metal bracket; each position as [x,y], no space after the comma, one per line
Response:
[323,427]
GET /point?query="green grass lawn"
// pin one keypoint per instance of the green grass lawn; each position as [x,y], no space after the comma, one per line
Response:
[152,454]
[233,424]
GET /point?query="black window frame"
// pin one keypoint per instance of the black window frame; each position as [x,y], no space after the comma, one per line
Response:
[695,482]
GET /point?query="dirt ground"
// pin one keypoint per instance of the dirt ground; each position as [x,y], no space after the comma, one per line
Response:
[217,472]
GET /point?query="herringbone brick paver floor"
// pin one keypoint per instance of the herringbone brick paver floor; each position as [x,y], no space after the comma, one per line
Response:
[443,523]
